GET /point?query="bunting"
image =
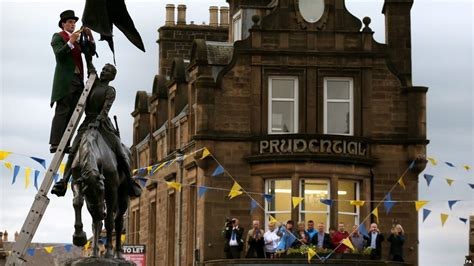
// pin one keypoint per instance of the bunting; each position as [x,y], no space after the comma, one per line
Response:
[388,203]
[326,201]
[311,254]
[401,183]
[234,193]
[27,176]
[8,166]
[449,181]
[49,249]
[268,197]
[31,252]
[87,245]
[123,237]
[444,218]
[348,243]
[464,220]
[428,179]
[432,160]
[159,167]
[142,181]
[420,204]
[296,201]
[219,170]
[471,185]
[272,219]
[36,179]
[412,165]
[205,153]
[467,167]
[451,203]
[357,203]
[253,205]
[68,247]
[449,164]
[202,191]
[363,231]
[16,169]
[62,166]
[375,212]
[426,213]
[4,155]
[175,185]
[40,161]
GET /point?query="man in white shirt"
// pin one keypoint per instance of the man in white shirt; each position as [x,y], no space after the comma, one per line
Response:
[233,239]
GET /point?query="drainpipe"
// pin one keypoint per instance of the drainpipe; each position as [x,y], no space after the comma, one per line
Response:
[179,159]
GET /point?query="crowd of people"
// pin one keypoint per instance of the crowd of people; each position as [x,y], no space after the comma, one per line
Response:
[280,238]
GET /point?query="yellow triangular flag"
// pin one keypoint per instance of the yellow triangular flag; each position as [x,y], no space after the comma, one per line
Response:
[9,166]
[358,203]
[420,204]
[148,169]
[87,245]
[135,171]
[296,201]
[444,217]
[450,181]
[375,212]
[27,176]
[174,185]
[4,154]
[311,254]
[348,243]
[160,166]
[272,219]
[61,168]
[432,160]
[401,183]
[49,249]
[122,238]
[205,153]
[68,186]
[236,186]
[234,193]
[467,167]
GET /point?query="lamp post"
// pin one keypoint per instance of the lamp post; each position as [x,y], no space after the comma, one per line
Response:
[180,160]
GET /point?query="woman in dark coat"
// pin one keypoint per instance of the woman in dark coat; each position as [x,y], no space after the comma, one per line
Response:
[396,239]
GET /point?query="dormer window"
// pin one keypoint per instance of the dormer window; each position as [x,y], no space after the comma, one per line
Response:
[237,26]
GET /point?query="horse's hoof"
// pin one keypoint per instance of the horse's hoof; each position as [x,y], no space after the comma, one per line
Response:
[79,239]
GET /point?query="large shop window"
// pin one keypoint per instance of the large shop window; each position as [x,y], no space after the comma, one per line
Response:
[283,105]
[348,214]
[280,206]
[312,190]
[338,106]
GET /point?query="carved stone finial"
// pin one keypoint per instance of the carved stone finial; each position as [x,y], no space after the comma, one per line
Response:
[366,21]
[255,19]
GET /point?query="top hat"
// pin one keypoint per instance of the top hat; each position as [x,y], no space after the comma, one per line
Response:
[65,15]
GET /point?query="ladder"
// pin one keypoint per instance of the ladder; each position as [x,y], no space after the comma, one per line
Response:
[41,201]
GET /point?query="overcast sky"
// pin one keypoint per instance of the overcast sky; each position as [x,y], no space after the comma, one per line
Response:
[442,60]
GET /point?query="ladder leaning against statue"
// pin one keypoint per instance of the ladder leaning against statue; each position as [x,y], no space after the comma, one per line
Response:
[41,201]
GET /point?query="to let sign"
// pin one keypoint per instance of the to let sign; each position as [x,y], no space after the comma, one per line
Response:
[136,254]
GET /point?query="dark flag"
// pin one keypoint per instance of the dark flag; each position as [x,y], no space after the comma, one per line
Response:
[101,15]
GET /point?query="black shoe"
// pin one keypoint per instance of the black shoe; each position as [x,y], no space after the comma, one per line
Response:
[53,148]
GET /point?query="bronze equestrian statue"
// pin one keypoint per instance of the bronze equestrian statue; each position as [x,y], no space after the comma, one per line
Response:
[100,167]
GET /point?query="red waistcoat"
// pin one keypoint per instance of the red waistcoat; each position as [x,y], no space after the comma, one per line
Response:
[76,54]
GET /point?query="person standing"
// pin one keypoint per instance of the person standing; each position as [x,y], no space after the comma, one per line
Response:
[321,239]
[357,239]
[311,231]
[271,241]
[287,236]
[397,239]
[340,235]
[302,237]
[374,241]
[234,243]
[255,242]
[68,75]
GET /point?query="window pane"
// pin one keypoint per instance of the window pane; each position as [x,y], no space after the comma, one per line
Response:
[283,88]
[338,90]
[338,118]
[313,190]
[348,220]
[282,116]
[316,217]
[347,191]
[281,192]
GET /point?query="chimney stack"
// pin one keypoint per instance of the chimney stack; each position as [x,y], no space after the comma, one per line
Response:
[224,16]
[17,236]
[169,15]
[213,21]
[5,236]
[181,15]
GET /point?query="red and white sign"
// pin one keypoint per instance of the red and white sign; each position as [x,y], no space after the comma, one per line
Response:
[136,254]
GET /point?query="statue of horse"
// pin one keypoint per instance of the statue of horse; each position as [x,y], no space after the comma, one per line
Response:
[97,179]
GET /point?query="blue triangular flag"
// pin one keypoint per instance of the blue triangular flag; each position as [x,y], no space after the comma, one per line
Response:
[451,203]
[142,181]
[464,220]
[31,252]
[253,205]
[56,178]
[219,170]
[202,191]
[168,163]
[363,231]
[153,169]
[428,178]
[142,171]
[388,203]
[15,173]
[426,212]
[268,197]
[40,161]
[449,164]
[68,247]
[36,178]
[412,164]
[471,185]
[326,201]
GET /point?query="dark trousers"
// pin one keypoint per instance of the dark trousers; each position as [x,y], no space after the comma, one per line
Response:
[397,258]
[255,251]
[64,110]
[233,252]
[375,255]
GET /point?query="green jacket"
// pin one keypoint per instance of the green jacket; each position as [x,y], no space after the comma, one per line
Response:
[65,66]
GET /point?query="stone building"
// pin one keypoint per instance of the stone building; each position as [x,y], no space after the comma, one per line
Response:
[294,99]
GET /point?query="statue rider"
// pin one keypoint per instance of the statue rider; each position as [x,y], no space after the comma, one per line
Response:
[98,105]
